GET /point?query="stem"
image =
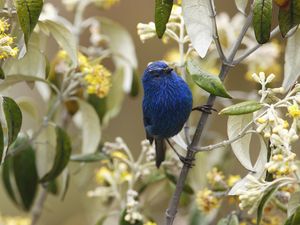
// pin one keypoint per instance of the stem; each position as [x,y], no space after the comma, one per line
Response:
[215,30]
[191,150]
[38,206]
[79,18]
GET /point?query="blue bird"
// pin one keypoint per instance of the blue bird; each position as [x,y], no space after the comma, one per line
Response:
[167,105]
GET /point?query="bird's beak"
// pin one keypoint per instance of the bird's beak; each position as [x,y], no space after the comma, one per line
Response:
[168,70]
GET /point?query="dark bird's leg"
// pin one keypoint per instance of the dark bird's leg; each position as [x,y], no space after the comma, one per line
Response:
[184,160]
[160,149]
[205,109]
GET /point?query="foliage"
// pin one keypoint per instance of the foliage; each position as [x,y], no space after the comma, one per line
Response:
[83,86]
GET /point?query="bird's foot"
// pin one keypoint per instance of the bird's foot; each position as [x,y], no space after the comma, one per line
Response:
[205,108]
[189,162]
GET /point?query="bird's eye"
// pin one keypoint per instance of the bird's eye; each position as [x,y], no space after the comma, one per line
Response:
[156,75]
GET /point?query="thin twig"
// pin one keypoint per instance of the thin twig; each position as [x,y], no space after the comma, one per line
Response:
[38,206]
[253,49]
[225,142]
[215,30]
[173,205]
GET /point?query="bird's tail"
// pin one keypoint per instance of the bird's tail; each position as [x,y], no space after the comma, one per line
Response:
[160,148]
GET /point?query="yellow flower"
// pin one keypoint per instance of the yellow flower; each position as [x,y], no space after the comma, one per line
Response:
[97,78]
[150,223]
[118,154]
[9,220]
[206,201]
[232,179]
[243,223]
[103,175]
[6,50]
[62,55]
[294,111]
[106,4]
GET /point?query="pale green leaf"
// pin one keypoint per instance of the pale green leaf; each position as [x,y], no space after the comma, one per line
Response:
[163,10]
[210,83]
[28,105]
[262,20]
[32,64]
[294,203]
[123,50]
[63,37]
[28,14]
[241,147]
[292,59]
[242,108]
[294,219]
[198,24]
[87,158]
[62,156]
[241,5]
[263,202]
[229,220]
[91,129]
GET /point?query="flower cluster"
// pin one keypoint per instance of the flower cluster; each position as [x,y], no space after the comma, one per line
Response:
[96,77]
[104,4]
[6,41]
[278,130]
[209,199]
[12,220]
[132,208]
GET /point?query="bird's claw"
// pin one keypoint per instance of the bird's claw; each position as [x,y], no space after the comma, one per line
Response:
[205,108]
[189,162]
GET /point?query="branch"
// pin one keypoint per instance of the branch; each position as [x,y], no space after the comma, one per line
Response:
[38,206]
[191,150]
[225,142]
[215,30]
[250,51]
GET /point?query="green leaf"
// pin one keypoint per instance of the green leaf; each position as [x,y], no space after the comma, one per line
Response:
[242,108]
[19,175]
[267,196]
[208,82]
[62,156]
[28,14]
[262,20]
[89,158]
[91,128]
[294,203]
[135,85]
[291,61]
[1,142]
[6,178]
[294,219]
[2,75]
[241,147]
[186,188]
[25,173]
[198,218]
[124,222]
[13,117]
[229,220]
[289,17]
[163,10]
[63,37]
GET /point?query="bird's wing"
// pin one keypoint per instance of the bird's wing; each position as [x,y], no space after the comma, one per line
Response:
[147,124]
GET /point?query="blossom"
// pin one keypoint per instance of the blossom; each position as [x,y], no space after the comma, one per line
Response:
[14,220]
[206,200]
[132,208]
[105,4]
[294,111]
[150,223]
[6,41]
[232,179]
[216,179]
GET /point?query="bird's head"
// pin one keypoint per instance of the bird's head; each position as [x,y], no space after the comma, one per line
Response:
[158,71]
